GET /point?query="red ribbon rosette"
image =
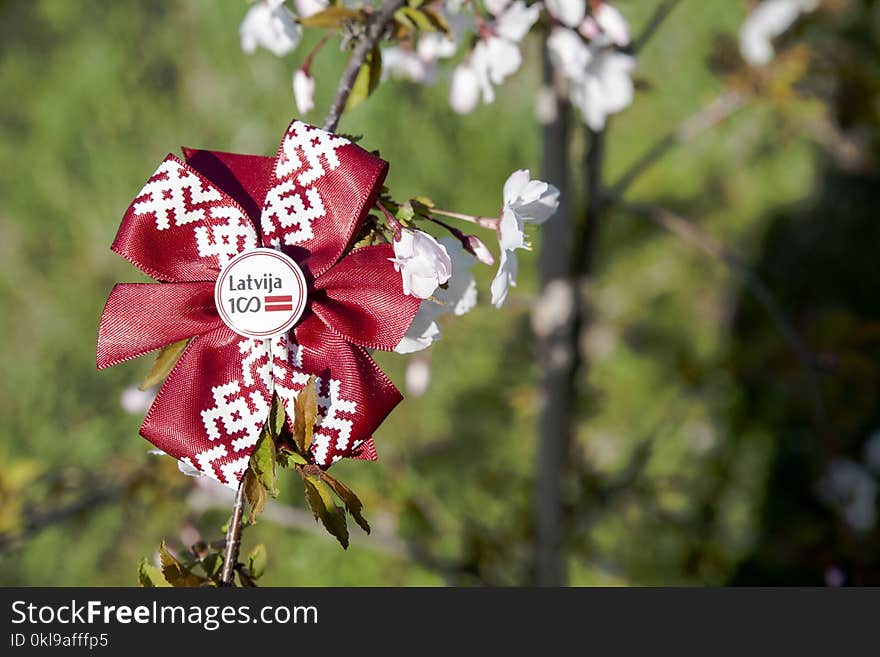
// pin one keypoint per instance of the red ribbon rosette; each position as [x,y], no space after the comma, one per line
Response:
[186,224]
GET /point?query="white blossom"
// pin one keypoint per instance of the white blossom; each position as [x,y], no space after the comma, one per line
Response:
[525,201]
[424,330]
[136,401]
[423,263]
[606,87]
[600,78]
[303,91]
[464,92]
[766,22]
[495,7]
[418,375]
[404,63]
[460,294]
[185,467]
[612,23]
[458,298]
[306,8]
[495,56]
[568,12]
[505,278]
[493,60]
[435,45]
[271,25]
[568,52]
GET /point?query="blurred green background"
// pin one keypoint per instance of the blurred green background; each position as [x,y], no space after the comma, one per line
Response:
[696,460]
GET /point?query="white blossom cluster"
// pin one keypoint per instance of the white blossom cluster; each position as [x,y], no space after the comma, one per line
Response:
[585,46]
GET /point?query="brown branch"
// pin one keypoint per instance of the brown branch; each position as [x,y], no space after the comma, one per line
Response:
[720,109]
[38,522]
[693,234]
[233,537]
[663,9]
[373,32]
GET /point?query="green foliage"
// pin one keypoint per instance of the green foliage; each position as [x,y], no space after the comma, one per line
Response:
[367,79]
[201,566]
[165,361]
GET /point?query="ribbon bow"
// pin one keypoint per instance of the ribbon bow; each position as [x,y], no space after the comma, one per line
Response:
[193,217]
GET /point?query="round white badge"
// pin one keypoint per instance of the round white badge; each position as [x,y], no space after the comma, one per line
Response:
[260,293]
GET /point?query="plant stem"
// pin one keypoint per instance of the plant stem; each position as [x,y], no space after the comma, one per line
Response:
[375,28]
[485,222]
[233,537]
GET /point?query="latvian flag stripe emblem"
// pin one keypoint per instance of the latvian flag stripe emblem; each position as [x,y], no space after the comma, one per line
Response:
[278,303]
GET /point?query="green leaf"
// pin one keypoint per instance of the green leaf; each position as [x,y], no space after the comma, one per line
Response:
[405,213]
[332,16]
[367,79]
[438,19]
[165,361]
[257,561]
[212,564]
[175,572]
[305,415]
[244,578]
[277,416]
[151,577]
[347,495]
[422,22]
[324,508]
[263,462]
[255,494]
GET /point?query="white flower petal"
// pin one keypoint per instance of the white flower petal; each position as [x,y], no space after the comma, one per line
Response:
[504,279]
[568,52]
[511,234]
[423,263]
[136,401]
[567,12]
[612,23]
[766,22]
[423,331]
[272,26]
[514,185]
[517,20]
[495,7]
[306,8]
[303,91]
[464,92]
[503,58]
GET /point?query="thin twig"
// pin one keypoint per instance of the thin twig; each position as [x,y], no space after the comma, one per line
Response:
[372,34]
[690,232]
[720,109]
[233,537]
[38,522]
[663,9]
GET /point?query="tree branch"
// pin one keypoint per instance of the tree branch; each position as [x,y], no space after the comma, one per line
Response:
[663,9]
[693,234]
[372,34]
[720,109]
[233,537]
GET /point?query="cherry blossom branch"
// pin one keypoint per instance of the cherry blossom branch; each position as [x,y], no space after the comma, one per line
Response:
[484,222]
[693,234]
[375,28]
[663,9]
[233,537]
[716,112]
